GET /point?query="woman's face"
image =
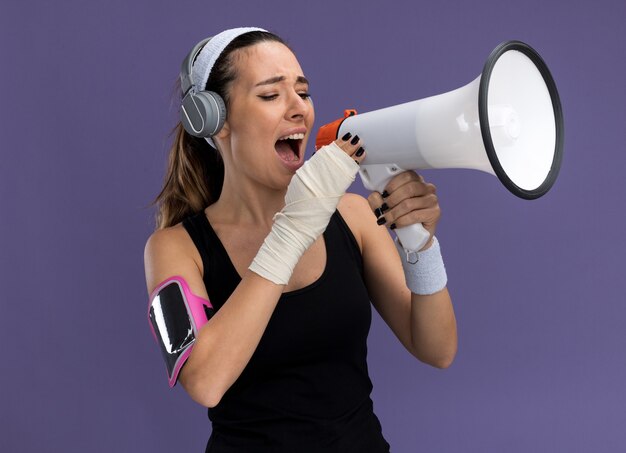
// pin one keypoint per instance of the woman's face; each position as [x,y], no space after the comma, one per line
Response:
[269,115]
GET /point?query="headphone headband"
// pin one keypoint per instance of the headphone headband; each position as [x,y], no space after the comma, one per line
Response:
[186,67]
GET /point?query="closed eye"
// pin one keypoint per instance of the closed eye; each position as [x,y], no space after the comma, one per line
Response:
[271,97]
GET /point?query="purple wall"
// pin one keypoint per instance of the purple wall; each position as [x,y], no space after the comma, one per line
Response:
[538,286]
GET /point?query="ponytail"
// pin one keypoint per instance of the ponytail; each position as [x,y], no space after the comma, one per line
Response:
[195,173]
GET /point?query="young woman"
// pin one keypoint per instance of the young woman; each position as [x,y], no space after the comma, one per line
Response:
[289,262]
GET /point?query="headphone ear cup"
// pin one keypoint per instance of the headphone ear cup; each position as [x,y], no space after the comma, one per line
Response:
[215,111]
[203,114]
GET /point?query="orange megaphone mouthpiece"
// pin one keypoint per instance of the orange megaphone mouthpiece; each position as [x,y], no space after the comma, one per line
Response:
[328,132]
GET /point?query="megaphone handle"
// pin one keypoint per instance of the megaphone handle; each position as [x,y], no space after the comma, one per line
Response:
[413,237]
[376,177]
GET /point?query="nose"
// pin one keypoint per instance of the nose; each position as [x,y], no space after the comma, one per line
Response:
[298,107]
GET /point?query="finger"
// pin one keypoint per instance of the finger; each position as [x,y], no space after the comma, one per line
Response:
[352,146]
[359,154]
[427,217]
[348,143]
[376,202]
[409,205]
[402,179]
[412,189]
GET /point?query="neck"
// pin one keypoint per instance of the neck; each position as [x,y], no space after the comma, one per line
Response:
[246,202]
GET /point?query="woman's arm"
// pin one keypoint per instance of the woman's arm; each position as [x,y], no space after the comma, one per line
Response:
[212,367]
[227,341]
[425,325]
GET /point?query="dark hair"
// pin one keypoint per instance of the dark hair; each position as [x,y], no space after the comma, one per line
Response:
[195,170]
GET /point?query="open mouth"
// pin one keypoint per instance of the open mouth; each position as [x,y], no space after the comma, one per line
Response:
[288,147]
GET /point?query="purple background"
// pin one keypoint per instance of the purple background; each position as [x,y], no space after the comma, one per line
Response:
[538,287]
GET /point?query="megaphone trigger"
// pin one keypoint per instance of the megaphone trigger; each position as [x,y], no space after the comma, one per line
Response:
[377,176]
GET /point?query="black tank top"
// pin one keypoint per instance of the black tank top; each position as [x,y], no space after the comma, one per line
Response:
[306,387]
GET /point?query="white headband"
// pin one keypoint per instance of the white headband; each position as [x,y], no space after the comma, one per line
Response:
[211,52]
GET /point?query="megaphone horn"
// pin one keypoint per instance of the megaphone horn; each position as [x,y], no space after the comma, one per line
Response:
[507,122]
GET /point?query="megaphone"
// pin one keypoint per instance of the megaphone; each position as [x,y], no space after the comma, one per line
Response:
[507,122]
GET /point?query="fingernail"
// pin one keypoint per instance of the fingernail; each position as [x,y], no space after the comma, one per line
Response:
[360,152]
[378,212]
[381,221]
[346,137]
[385,194]
[392,226]
[384,207]
[354,140]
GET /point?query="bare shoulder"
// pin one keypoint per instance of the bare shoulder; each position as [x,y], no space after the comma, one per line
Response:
[167,241]
[170,251]
[356,211]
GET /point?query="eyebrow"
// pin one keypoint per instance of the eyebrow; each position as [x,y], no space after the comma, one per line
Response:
[299,79]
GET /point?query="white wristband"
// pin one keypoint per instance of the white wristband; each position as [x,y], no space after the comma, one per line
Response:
[428,274]
[311,199]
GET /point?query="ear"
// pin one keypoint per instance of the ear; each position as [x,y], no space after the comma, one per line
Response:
[224,132]
[222,137]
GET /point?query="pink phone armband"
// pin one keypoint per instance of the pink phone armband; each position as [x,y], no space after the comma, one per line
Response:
[176,316]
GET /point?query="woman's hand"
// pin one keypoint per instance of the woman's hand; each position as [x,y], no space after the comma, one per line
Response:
[310,201]
[351,146]
[407,199]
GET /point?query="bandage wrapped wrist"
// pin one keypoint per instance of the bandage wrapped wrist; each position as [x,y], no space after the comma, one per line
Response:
[427,274]
[311,199]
